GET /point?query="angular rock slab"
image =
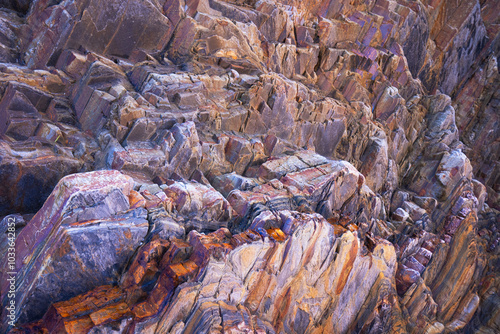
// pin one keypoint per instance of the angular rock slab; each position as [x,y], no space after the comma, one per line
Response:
[191,198]
[117,28]
[75,242]
[28,172]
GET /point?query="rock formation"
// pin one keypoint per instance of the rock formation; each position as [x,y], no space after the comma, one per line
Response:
[230,166]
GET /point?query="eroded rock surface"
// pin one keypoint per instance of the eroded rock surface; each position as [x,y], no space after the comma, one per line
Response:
[220,166]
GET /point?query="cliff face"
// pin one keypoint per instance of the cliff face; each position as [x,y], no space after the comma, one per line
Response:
[209,166]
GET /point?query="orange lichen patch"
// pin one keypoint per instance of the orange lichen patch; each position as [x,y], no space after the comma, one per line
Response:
[277,234]
[135,276]
[80,325]
[89,301]
[244,238]
[178,272]
[146,263]
[110,313]
[181,272]
[346,269]
[226,53]
[136,200]
[191,267]
[71,316]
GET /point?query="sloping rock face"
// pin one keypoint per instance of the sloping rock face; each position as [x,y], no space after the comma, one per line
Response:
[220,166]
